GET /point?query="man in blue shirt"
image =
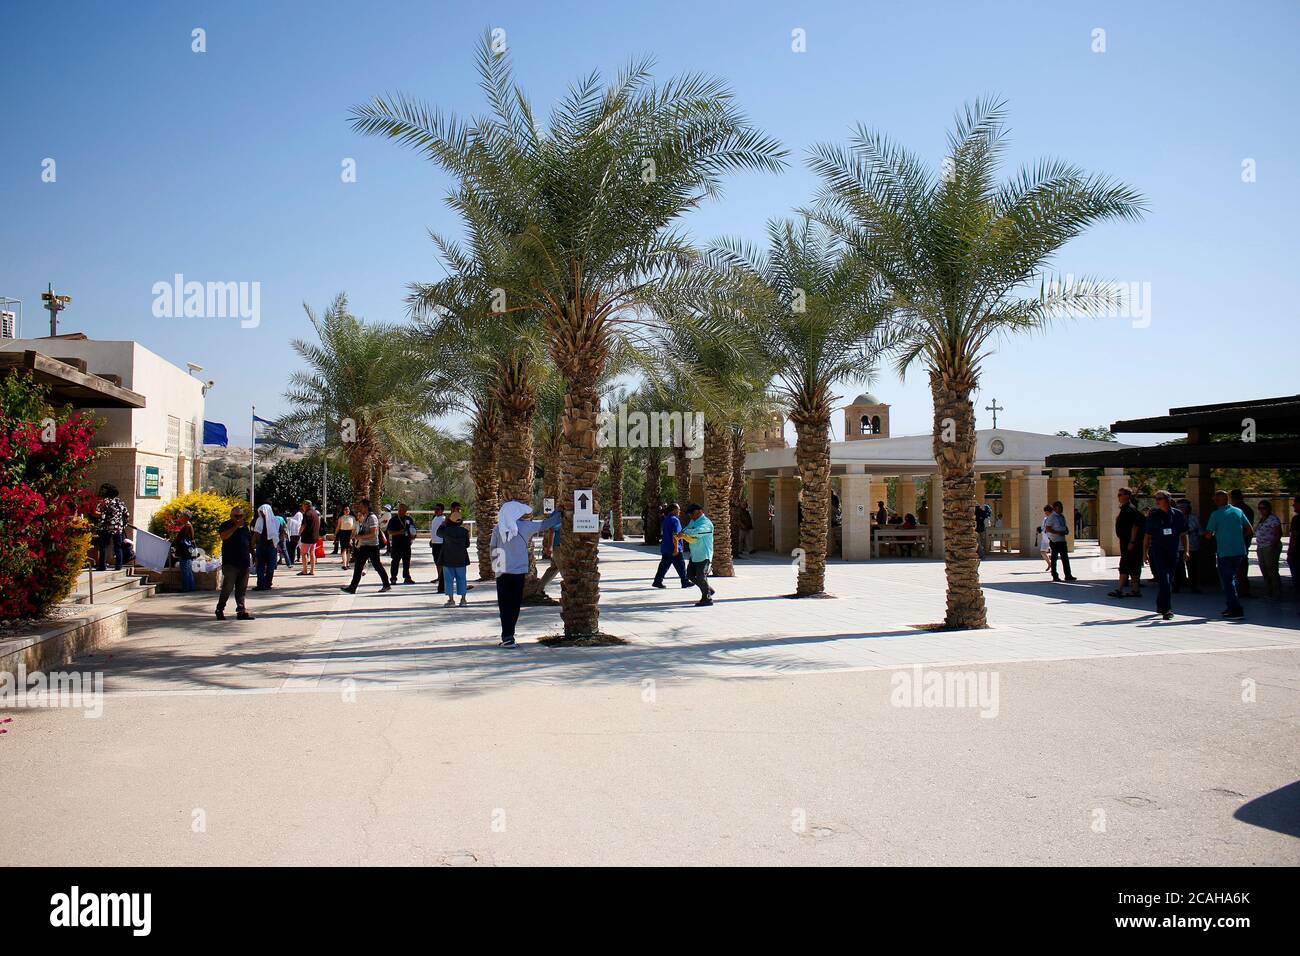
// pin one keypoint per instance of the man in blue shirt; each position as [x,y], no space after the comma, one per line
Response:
[670,547]
[1229,530]
[1165,539]
[698,534]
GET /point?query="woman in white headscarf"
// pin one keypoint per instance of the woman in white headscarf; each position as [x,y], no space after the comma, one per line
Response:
[511,539]
[266,532]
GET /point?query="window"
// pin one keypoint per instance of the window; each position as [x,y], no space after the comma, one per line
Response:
[865,426]
[188,436]
[875,424]
[173,435]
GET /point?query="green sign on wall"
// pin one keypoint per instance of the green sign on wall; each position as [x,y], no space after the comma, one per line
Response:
[150,481]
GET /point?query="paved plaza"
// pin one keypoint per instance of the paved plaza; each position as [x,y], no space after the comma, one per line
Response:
[383,728]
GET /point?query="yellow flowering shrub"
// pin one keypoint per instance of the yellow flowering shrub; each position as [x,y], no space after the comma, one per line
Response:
[207,512]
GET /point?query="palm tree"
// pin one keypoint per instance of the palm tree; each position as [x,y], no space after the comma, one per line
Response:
[363,395]
[961,254]
[600,189]
[815,313]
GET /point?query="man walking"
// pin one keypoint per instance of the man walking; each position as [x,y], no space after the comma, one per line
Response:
[401,534]
[366,548]
[236,549]
[1229,530]
[698,534]
[266,529]
[1165,538]
[308,535]
[1058,533]
[1129,525]
[435,542]
[670,547]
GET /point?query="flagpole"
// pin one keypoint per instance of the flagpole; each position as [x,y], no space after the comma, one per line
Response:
[252,466]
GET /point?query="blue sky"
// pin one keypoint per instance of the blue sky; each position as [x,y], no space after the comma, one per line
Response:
[225,165]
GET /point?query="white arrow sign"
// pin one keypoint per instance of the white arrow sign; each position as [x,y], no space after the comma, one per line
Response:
[584,512]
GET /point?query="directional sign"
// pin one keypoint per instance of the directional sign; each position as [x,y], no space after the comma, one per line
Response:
[584,512]
[548,505]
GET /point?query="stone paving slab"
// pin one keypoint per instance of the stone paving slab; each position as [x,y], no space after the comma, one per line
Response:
[310,637]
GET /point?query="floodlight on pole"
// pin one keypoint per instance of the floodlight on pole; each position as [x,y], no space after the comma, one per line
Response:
[55,304]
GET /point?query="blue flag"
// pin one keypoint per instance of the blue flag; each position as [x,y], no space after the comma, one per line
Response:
[214,433]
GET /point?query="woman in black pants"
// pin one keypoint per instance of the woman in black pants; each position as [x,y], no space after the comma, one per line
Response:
[366,547]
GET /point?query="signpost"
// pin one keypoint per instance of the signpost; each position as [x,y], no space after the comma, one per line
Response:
[548,505]
[584,512]
[149,484]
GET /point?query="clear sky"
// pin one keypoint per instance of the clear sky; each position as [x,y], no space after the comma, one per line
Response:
[225,165]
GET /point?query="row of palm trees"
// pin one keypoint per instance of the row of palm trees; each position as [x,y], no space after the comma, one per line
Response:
[575,272]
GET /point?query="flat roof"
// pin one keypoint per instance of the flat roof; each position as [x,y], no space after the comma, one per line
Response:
[68,384]
[1235,454]
[1276,415]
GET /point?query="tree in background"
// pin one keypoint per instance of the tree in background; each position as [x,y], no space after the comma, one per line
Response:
[288,483]
[365,394]
[815,313]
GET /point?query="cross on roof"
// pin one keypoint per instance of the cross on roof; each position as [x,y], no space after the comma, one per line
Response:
[995,408]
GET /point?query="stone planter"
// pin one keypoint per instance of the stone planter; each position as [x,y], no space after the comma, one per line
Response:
[169,580]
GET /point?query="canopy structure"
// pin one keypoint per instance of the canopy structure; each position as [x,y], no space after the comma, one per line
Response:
[69,381]
[1255,433]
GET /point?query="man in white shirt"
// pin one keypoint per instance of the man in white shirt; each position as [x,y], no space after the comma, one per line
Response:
[435,541]
[295,532]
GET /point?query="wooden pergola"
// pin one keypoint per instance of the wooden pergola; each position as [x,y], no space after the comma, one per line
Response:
[70,382]
[1259,433]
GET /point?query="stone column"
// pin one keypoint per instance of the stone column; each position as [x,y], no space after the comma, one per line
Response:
[856,505]
[1199,490]
[1011,500]
[1108,484]
[879,492]
[758,496]
[1061,488]
[906,495]
[934,509]
[1033,495]
[785,522]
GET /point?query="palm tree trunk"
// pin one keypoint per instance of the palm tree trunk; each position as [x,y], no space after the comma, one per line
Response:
[483,470]
[652,495]
[616,493]
[514,397]
[359,471]
[717,495]
[738,466]
[580,468]
[812,455]
[954,418]
[550,487]
[681,475]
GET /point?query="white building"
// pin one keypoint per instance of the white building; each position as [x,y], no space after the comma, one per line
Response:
[152,453]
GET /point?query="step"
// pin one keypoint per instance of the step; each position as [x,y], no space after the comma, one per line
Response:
[111,587]
[125,598]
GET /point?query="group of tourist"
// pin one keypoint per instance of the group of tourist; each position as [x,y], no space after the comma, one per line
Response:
[361,536]
[1170,540]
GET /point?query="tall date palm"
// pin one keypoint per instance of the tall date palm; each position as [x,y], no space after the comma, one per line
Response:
[965,258]
[817,315]
[600,188]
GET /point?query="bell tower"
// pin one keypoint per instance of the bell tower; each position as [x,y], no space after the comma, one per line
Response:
[866,417]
